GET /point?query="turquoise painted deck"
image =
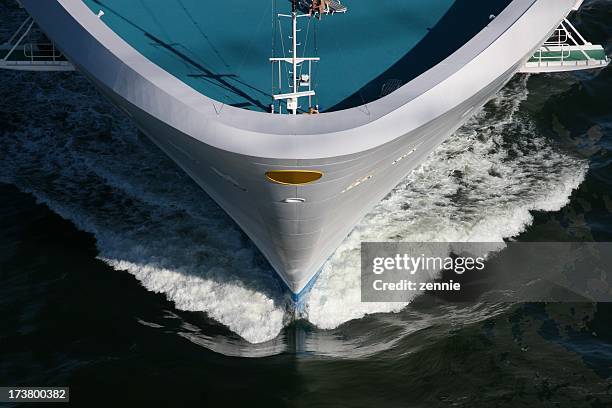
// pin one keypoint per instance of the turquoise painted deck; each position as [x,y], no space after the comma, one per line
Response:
[221,49]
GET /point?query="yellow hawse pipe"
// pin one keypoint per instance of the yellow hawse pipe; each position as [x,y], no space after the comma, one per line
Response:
[293,177]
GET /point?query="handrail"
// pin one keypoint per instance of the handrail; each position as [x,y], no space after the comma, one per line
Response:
[54,53]
[562,37]
[563,49]
[32,51]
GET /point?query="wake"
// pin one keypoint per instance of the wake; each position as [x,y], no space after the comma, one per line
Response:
[88,163]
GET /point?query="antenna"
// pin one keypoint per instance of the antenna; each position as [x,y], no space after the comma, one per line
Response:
[297,83]
[300,84]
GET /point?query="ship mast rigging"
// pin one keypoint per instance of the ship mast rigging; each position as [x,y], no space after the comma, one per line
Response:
[300,84]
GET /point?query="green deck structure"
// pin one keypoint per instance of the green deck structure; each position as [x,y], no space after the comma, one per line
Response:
[569,55]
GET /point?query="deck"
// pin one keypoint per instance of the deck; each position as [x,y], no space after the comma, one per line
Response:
[221,49]
[567,58]
[569,55]
[26,58]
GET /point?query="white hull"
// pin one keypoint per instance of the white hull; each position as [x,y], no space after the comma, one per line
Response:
[227,151]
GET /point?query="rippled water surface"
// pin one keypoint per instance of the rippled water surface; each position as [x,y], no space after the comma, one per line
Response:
[116,269]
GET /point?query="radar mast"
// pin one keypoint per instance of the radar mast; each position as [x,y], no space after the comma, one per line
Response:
[298,69]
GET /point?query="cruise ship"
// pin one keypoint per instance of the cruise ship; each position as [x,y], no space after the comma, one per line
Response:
[297,117]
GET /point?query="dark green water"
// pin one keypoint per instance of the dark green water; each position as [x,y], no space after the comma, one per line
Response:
[97,227]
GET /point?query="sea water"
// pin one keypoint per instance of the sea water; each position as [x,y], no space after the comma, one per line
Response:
[106,216]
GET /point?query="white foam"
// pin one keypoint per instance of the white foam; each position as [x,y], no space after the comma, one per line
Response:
[250,313]
[479,186]
[149,219]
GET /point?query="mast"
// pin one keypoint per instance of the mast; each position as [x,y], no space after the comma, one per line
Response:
[301,79]
[298,75]
[294,101]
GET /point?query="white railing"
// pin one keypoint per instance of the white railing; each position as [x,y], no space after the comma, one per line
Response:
[32,51]
[41,51]
[566,50]
[560,51]
[563,39]
[560,36]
